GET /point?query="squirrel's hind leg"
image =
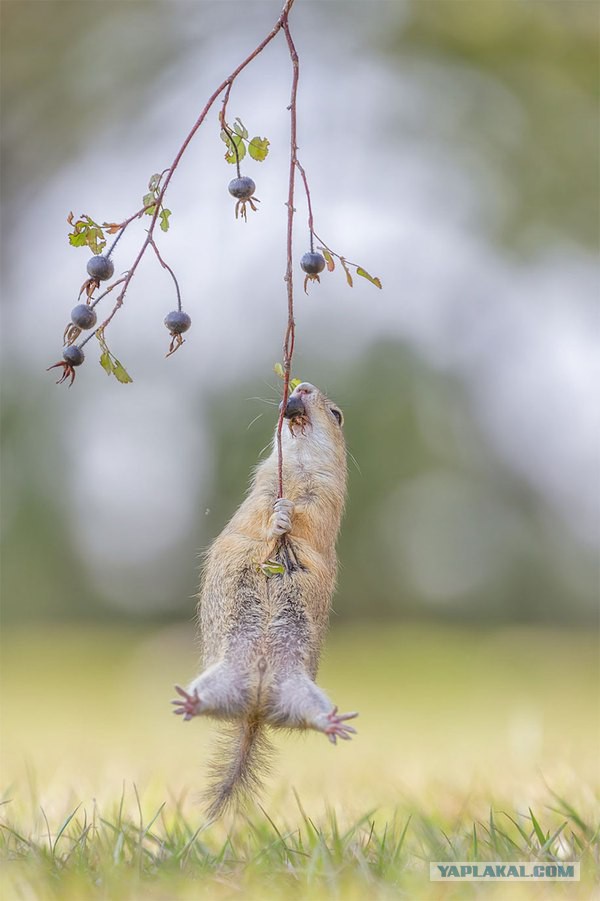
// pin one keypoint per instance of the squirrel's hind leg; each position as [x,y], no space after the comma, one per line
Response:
[218,691]
[298,703]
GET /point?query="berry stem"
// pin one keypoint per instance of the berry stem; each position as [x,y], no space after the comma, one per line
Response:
[290,333]
[168,268]
[118,238]
[308,201]
[223,113]
[229,134]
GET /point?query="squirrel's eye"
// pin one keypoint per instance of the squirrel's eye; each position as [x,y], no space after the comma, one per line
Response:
[338,415]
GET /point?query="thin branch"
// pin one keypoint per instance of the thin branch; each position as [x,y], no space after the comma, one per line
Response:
[108,290]
[288,344]
[123,225]
[334,254]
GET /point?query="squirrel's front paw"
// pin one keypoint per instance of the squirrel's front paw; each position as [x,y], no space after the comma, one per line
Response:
[281,520]
[188,705]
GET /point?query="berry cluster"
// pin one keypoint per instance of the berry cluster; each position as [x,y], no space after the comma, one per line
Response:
[100,268]
[93,235]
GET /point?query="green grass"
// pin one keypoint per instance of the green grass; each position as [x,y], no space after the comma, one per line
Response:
[164,854]
[472,746]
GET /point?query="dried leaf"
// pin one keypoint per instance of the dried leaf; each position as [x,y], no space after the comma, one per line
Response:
[369,278]
[328,259]
[310,278]
[347,271]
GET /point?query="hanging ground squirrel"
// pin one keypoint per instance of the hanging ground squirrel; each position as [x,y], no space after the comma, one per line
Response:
[261,635]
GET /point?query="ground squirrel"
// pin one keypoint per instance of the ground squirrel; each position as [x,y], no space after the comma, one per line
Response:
[261,636]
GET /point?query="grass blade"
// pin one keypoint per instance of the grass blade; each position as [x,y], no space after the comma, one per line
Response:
[63,827]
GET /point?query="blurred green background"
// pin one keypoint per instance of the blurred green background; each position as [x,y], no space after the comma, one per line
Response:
[459,142]
[452,149]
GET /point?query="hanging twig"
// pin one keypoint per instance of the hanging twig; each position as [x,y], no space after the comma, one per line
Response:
[288,343]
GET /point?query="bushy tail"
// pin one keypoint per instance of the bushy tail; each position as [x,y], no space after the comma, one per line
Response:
[242,758]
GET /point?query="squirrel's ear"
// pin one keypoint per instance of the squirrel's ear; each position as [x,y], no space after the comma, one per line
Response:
[338,415]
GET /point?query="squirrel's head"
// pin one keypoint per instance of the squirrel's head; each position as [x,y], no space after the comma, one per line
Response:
[313,418]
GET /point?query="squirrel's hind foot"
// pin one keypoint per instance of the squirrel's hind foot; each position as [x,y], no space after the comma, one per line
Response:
[334,726]
[188,705]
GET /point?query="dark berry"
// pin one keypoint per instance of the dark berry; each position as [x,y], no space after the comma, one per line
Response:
[242,188]
[177,322]
[73,355]
[83,316]
[101,268]
[312,262]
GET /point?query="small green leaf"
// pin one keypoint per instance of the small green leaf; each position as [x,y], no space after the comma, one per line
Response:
[258,149]
[241,151]
[369,278]
[120,373]
[106,362]
[148,202]
[294,383]
[154,182]
[78,239]
[86,232]
[278,370]
[271,568]
[239,144]
[239,128]
[164,220]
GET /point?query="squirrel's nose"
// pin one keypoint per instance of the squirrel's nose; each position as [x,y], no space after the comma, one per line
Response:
[295,406]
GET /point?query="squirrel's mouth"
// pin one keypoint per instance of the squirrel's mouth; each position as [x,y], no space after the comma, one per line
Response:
[296,414]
